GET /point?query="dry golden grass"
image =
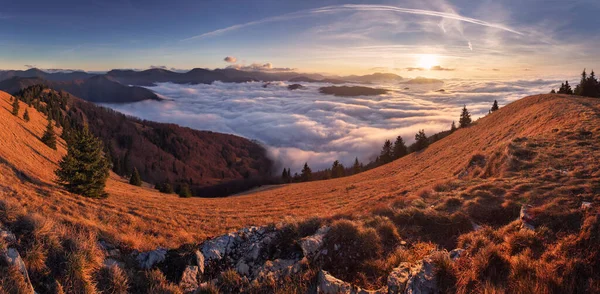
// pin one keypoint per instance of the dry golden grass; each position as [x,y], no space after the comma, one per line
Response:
[142,218]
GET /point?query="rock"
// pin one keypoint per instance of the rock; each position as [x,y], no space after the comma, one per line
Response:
[422,278]
[328,284]
[217,248]
[586,205]
[243,269]
[397,279]
[456,253]
[199,261]
[148,259]
[12,257]
[312,244]
[189,279]
[7,236]
[526,218]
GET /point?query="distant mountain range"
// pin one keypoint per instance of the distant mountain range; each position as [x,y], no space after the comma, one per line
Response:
[125,86]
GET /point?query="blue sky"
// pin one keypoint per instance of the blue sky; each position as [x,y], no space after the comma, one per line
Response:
[465,38]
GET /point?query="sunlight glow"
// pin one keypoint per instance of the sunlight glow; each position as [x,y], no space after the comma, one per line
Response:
[427,61]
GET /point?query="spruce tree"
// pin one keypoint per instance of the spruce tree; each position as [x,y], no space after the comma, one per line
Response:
[495,106]
[166,188]
[184,191]
[337,170]
[306,173]
[26,115]
[356,166]
[85,168]
[387,152]
[465,118]
[15,107]
[421,141]
[49,137]
[135,179]
[453,127]
[400,148]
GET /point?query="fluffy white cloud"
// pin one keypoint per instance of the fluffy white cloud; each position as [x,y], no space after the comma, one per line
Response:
[306,126]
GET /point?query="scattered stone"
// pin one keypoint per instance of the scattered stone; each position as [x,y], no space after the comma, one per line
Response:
[422,278]
[199,261]
[586,205]
[189,279]
[397,279]
[148,259]
[526,218]
[312,244]
[12,257]
[243,269]
[329,284]
[456,253]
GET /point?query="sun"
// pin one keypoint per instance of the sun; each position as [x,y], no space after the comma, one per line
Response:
[427,61]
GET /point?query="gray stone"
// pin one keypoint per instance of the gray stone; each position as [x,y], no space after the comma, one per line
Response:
[397,279]
[328,284]
[456,253]
[200,261]
[148,259]
[312,244]
[422,278]
[243,269]
[189,279]
[12,257]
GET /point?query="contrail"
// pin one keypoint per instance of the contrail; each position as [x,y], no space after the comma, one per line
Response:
[355,7]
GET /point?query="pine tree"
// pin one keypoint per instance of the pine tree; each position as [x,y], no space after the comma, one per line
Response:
[386,154]
[465,118]
[184,191]
[135,179]
[306,173]
[421,141]
[49,137]
[453,127]
[356,166]
[26,115]
[495,106]
[565,88]
[15,107]
[337,170]
[284,175]
[166,188]
[85,169]
[400,148]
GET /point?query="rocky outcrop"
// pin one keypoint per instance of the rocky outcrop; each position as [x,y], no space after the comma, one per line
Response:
[328,284]
[11,256]
[311,245]
[147,260]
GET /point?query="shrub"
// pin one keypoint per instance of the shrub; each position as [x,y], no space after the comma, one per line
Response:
[184,191]
[157,283]
[113,280]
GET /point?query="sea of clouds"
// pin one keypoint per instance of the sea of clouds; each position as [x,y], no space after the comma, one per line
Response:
[306,126]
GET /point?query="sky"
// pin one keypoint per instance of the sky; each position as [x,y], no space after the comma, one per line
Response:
[438,38]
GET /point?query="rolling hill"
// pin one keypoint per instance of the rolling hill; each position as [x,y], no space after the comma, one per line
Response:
[518,192]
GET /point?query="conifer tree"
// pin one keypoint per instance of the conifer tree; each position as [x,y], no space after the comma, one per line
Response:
[26,115]
[306,173]
[400,148]
[465,118]
[421,141]
[453,127]
[387,153]
[49,137]
[495,106]
[135,179]
[184,191]
[337,170]
[85,168]
[15,107]
[166,188]
[284,175]
[356,166]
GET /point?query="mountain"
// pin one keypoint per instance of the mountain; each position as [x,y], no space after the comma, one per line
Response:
[506,204]
[99,89]
[37,73]
[345,91]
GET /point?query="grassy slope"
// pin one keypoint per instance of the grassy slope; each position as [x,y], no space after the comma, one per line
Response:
[143,219]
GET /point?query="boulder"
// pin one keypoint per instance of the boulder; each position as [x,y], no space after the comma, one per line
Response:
[328,284]
[147,260]
[422,278]
[11,257]
[312,244]
[218,247]
[397,279]
[189,279]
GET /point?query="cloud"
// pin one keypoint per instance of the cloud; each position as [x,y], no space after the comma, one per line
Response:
[353,8]
[440,68]
[470,46]
[230,59]
[414,69]
[29,66]
[306,126]
[260,67]
[158,67]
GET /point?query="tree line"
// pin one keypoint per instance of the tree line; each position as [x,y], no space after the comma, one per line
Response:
[588,86]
